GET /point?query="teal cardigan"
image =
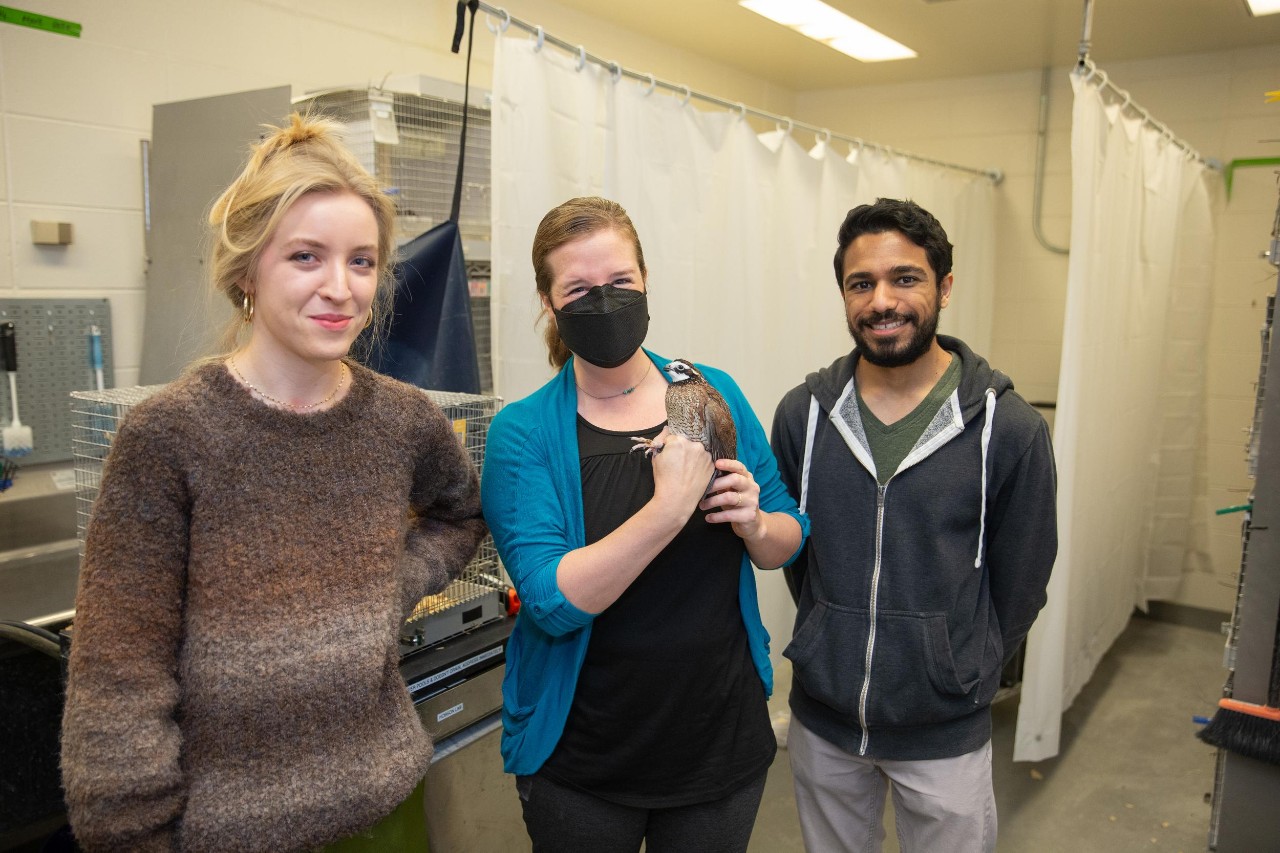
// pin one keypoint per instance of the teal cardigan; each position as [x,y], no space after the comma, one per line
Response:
[531,489]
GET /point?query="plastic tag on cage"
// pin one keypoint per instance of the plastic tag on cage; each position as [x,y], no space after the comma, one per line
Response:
[460,428]
[382,118]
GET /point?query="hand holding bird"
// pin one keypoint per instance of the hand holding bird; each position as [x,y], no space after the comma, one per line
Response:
[737,501]
[696,411]
[680,474]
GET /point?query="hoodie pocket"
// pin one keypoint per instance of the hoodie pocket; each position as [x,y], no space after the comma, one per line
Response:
[913,677]
[914,680]
[828,654]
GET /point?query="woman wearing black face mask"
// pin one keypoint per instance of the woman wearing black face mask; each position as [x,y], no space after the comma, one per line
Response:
[637,674]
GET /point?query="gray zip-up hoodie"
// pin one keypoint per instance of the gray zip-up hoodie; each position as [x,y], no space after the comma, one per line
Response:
[912,595]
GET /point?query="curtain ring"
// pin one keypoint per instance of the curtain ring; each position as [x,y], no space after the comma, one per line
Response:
[541,39]
[1124,105]
[615,71]
[498,28]
[582,57]
[790,125]
[742,110]
[826,136]
[653,84]
[684,102]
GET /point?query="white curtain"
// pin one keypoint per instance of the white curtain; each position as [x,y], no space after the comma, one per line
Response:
[1130,423]
[738,229]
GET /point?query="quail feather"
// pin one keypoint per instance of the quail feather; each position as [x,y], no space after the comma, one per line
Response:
[696,411]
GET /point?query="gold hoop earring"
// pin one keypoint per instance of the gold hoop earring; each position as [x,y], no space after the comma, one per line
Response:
[369,322]
[246,308]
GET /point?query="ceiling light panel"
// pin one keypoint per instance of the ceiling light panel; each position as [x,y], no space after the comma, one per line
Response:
[831,27]
[1263,7]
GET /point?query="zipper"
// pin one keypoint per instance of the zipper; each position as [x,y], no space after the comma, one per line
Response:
[871,635]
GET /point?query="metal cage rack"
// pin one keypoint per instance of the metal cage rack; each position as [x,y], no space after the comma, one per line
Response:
[474,599]
[409,141]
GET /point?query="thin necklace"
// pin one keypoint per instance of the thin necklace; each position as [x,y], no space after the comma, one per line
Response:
[342,372]
[624,392]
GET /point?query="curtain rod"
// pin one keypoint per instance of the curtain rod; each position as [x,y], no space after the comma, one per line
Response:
[1088,69]
[825,134]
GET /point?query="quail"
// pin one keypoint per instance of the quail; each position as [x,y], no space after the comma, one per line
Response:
[696,411]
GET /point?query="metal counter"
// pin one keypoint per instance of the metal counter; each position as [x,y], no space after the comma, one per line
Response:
[471,804]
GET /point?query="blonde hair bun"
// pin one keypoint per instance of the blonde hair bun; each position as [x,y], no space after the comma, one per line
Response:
[304,155]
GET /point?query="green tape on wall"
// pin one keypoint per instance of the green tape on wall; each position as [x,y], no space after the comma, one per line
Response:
[39,22]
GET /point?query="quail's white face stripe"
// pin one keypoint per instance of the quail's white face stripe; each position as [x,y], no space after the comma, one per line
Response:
[679,371]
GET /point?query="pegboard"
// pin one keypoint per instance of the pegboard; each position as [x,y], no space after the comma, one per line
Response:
[52,338]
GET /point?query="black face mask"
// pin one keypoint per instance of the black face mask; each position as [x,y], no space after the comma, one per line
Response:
[606,325]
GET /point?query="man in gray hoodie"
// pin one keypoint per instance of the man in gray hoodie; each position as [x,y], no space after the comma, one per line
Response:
[930,486]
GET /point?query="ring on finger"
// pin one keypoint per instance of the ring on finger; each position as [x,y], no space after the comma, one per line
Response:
[737,498]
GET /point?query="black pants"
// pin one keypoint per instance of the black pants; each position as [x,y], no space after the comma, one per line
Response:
[563,820]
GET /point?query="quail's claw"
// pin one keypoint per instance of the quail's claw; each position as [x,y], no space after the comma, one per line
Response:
[648,445]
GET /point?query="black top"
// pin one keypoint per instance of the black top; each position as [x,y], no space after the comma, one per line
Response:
[669,709]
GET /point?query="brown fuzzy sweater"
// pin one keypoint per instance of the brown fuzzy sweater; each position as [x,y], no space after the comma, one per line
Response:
[233,683]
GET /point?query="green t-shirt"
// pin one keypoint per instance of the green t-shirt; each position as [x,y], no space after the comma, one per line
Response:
[891,443]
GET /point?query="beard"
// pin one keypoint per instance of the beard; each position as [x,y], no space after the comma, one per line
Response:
[892,354]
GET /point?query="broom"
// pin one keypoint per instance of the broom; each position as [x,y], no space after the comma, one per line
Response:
[1248,729]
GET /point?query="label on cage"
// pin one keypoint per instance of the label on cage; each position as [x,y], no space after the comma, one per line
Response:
[444,715]
[455,669]
[460,428]
[64,479]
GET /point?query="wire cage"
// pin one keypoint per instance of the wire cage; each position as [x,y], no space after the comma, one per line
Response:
[473,599]
[409,141]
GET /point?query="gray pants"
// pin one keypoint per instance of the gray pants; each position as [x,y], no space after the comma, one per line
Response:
[940,805]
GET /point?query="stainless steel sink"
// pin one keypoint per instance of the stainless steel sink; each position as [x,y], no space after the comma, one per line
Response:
[37,520]
[39,557]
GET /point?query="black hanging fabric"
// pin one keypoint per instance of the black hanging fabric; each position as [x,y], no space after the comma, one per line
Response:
[430,341]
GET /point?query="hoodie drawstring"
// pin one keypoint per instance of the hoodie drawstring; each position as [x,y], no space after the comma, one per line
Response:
[988,423]
[986,442]
[810,431]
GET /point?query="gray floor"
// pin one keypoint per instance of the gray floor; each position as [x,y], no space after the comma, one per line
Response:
[1131,776]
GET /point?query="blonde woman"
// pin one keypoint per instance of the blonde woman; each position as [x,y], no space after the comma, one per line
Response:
[265,524]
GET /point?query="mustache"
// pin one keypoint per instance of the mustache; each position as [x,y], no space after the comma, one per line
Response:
[887,317]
